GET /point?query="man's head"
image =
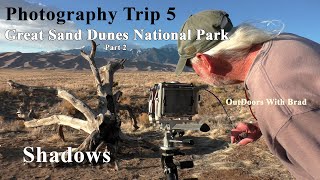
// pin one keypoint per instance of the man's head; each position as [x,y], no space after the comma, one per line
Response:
[218,62]
[209,21]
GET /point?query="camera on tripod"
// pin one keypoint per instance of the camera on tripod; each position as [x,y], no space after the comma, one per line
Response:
[171,106]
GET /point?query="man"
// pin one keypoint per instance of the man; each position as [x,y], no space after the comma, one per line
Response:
[284,68]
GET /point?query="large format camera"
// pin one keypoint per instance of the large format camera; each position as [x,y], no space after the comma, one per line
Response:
[171,106]
[173,100]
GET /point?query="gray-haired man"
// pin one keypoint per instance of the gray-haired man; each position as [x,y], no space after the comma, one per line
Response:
[283,67]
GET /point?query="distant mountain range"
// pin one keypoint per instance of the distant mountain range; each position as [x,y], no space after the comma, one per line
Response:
[165,54]
[160,59]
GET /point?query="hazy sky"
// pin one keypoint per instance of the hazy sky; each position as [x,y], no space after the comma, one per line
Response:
[300,17]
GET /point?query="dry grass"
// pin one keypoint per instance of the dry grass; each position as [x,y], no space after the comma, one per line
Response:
[143,120]
[250,158]
[2,119]
[67,108]
[54,139]
[36,132]
[12,126]
[125,100]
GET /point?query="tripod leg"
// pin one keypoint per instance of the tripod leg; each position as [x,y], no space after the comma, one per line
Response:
[173,175]
[169,168]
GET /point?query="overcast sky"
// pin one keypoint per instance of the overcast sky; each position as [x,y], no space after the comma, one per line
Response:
[299,17]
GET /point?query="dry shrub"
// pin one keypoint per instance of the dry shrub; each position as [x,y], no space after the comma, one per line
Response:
[126,127]
[85,92]
[2,89]
[125,100]
[66,107]
[36,132]
[14,126]
[218,133]
[19,124]
[143,120]
[54,138]
[149,84]
[2,119]
[93,103]
[82,93]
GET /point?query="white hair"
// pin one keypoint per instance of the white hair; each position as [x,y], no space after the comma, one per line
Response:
[240,42]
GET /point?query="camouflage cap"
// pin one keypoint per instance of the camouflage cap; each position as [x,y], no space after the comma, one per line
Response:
[210,21]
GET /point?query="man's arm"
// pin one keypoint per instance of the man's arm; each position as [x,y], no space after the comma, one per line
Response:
[297,144]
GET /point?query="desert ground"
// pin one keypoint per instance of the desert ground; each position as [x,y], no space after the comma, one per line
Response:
[213,155]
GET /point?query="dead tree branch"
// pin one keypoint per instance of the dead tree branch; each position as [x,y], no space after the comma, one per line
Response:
[103,80]
[61,120]
[94,69]
[103,127]
[78,104]
[31,89]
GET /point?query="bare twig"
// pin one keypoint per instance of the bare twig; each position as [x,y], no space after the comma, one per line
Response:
[94,69]
[31,89]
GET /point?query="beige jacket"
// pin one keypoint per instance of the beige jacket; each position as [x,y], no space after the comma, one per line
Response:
[285,76]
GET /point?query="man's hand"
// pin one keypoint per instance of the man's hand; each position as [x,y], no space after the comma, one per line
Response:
[245,133]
